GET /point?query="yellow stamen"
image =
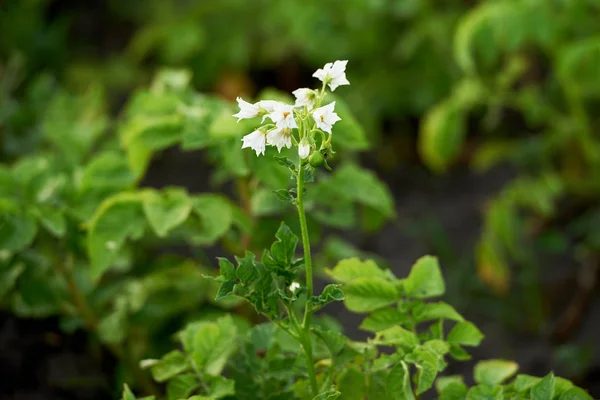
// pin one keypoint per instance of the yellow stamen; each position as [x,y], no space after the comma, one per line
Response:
[285,114]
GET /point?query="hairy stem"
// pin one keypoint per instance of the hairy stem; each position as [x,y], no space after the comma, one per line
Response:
[305,331]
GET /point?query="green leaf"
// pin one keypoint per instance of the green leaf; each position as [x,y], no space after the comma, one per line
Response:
[170,365]
[127,393]
[494,372]
[225,290]
[466,334]
[107,171]
[352,268]
[425,279]
[363,187]
[17,231]
[524,382]
[398,383]
[330,394]
[368,294]
[442,134]
[226,269]
[331,293]
[284,249]
[52,219]
[484,392]
[213,343]
[451,387]
[220,387]
[544,389]
[107,231]
[247,271]
[458,353]
[383,318]
[433,311]
[575,393]
[181,386]
[351,383]
[396,336]
[334,341]
[426,361]
[215,216]
[113,327]
[8,277]
[166,210]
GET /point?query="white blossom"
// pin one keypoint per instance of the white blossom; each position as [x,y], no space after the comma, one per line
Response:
[283,116]
[303,149]
[325,117]
[280,138]
[255,140]
[247,110]
[333,74]
[268,105]
[304,97]
[294,286]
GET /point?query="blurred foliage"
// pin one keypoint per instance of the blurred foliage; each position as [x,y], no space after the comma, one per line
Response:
[491,82]
[530,80]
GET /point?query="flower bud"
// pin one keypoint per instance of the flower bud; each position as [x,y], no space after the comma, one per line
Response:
[303,149]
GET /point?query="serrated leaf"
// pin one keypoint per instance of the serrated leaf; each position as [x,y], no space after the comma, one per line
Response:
[352,268]
[284,249]
[247,271]
[425,279]
[466,334]
[368,294]
[494,372]
[331,293]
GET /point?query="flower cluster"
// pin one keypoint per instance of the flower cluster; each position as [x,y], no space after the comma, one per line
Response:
[296,124]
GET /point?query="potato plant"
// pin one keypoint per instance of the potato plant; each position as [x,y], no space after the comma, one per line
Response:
[299,353]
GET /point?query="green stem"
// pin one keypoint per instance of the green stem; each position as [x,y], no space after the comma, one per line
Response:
[305,331]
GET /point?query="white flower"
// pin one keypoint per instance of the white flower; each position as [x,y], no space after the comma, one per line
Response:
[294,286]
[268,105]
[247,110]
[304,97]
[333,74]
[256,140]
[280,138]
[304,149]
[325,117]
[283,116]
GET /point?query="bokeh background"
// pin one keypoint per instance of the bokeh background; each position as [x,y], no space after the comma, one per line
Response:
[481,117]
